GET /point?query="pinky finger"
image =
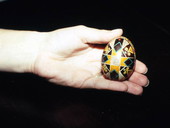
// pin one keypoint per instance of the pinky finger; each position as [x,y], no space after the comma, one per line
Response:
[133,88]
[102,83]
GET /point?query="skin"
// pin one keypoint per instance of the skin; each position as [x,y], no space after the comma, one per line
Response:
[69,57]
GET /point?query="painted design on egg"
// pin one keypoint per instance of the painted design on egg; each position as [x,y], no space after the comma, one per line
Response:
[118,59]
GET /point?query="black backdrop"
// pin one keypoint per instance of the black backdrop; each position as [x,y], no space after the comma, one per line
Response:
[29,101]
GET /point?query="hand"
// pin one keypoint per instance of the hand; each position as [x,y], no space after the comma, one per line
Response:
[72,57]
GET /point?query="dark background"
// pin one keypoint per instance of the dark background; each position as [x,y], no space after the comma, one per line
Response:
[27,100]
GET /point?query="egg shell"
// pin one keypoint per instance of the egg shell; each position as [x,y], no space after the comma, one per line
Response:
[118,59]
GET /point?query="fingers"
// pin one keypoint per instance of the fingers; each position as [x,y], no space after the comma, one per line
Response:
[140,67]
[133,88]
[92,35]
[104,84]
[134,85]
[139,79]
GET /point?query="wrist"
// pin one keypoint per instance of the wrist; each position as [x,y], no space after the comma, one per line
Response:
[19,49]
[33,48]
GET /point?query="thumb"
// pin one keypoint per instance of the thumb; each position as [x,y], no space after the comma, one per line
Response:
[97,36]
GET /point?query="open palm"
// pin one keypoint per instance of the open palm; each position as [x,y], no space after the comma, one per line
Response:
[72,57]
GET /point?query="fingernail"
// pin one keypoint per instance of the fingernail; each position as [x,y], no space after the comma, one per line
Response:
[119,30]
[146,71]
[147,84]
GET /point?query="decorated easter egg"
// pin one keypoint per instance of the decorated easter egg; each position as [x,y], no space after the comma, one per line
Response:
[118,59]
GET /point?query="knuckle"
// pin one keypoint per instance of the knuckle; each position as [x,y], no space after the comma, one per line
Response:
[124,88]
[81,27]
